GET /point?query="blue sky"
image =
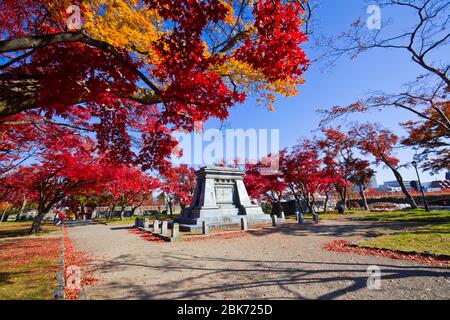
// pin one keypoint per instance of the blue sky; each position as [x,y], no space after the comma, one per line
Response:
[341,85]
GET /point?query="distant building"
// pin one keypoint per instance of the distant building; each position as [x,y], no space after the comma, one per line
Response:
[433,186]
[394,185]
[389,189]
[439,185]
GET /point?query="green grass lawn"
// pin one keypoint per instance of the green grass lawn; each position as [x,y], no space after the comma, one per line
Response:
[433,238]
[334,215]
[417,215]
[116,220]
[28,263]
[21,229]
[29,281]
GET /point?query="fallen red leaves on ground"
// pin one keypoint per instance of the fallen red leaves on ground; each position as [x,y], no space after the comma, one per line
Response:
[146,235]
[230,235]
[24,251]
[343,246]
[73,257]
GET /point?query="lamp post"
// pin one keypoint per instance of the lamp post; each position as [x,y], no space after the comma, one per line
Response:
[414,163]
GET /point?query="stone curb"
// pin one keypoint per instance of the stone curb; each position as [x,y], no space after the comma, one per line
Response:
[60,289]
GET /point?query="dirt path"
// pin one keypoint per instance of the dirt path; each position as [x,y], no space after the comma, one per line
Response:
[282,263]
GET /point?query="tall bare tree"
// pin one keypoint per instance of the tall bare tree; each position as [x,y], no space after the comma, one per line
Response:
[421,38]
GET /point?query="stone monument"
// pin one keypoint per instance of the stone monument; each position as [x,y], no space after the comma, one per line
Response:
[220,199]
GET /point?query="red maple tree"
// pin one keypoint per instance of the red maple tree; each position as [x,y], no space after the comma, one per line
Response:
[361,178]
[306,175]
[67,166]
[178,186]
[339,158]
[264,185]
[379,142]
[129,186]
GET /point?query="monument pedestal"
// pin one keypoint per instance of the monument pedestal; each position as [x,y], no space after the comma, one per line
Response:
[220,199]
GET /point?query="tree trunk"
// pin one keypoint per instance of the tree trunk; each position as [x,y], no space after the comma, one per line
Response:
[309,203]
[37,222]
[122,212]
[343,195]
[3,214]
[111,212]
[299,203]
[405,191]
[170,208]
[363,197]
[277,209]
[22,208]
[83,212]
[345,198]
[325,204]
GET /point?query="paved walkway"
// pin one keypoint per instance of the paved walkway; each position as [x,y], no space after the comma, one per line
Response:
[282,263]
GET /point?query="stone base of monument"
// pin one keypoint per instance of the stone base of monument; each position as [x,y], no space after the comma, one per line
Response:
[220,200]
[188,224]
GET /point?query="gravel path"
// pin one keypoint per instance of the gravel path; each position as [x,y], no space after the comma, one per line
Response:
[273,263]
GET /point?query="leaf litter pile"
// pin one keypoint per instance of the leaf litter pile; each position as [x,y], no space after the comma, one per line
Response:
[343,246]
[227,235]
[73,257]
[146,235]
[22,252]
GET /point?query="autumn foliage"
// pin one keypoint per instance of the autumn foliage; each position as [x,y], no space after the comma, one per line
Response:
[145,66]
[89,102]
[178,185]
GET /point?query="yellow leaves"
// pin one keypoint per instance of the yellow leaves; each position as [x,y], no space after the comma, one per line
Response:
[229,19]
[125,24]
[241,72]
[206,52]
[252,81]
[288,87]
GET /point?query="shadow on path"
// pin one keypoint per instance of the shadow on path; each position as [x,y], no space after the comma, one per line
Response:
[338,278]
